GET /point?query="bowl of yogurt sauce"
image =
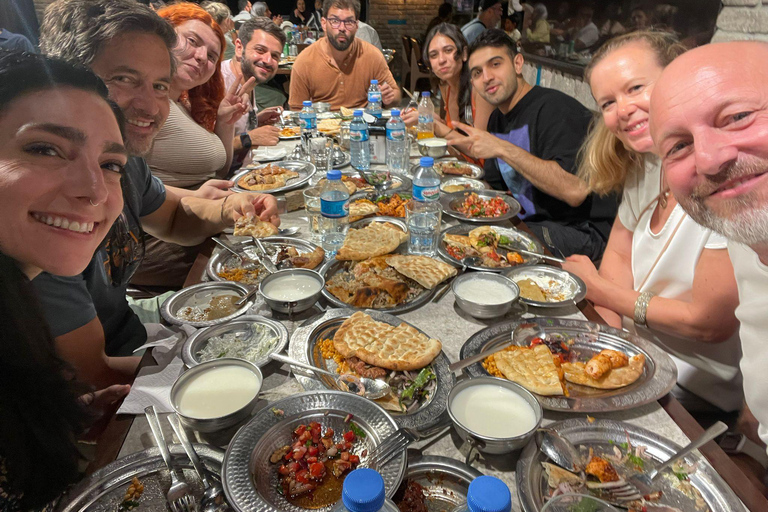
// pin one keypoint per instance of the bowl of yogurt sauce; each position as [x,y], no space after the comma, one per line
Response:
[494,416]
[292,290]
[485,294]
[217,394]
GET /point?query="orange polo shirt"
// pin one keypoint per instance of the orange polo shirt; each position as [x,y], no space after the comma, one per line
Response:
[316,77]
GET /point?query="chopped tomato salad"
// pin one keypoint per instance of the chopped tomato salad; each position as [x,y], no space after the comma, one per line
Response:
[474,206]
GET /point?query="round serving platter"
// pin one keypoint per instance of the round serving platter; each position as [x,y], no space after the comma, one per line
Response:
[471,183]
[570,284]
[246,245]
[449,203]
[199,294]
[105,489]
[305,170]
[525,241]
[400,182]
[658,378]
[250,480]
[602,435]
[241,326]
[304,347]
[478,172]
[445,481]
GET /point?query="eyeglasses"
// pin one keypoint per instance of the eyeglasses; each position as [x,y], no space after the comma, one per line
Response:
[348,24]
[125,250]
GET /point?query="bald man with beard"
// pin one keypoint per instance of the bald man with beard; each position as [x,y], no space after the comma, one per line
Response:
[709,121]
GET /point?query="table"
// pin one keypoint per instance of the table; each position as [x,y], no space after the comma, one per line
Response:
[125,435]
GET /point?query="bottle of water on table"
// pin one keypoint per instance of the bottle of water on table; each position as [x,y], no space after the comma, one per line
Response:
[487,494]
[426,126]
[334,209]
[397,143]
[374,99]
[308,119]
[424,210]
[359,145]
[363,491]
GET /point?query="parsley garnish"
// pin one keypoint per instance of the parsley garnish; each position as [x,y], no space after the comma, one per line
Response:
[357,430]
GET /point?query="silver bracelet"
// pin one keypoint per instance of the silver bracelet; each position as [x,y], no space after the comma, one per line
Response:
[641,308]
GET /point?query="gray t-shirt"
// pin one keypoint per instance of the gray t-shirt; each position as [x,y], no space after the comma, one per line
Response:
[69,303]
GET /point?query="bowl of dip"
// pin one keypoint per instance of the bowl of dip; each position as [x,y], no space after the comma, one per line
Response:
[292,290]
[217,394]
[493,415]
[485,294]
[434,147]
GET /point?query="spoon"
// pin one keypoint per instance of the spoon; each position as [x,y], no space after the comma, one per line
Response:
[465,262]
[289,231]
[371,388]
[560,450]
[247,263]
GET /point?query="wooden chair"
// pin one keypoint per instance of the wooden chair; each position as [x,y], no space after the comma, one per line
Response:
[417,68]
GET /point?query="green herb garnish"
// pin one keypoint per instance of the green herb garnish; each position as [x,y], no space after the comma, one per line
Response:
[308,444]
[503,240]
[624,446]
[357,430]
[586,506]
[425,375]
[637,461]
[221,355]
[682,475]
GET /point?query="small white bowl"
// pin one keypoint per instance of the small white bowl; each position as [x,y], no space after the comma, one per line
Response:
[477,309]
[434,147]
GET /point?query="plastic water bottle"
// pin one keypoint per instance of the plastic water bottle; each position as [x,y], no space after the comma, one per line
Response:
[374,99]
[334,209]
[363,491]
[308,120]
[486,494]
[359,146]
[424,210]
[426,128]
[397,143]
[294,48]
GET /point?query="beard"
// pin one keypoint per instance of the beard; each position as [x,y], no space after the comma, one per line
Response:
[743,219]
[340,46]
[249,71]
[502,94]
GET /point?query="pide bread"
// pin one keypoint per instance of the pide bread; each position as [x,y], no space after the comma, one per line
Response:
[374,239]
[253,226]
[426,271]
[383,345]
[533,368]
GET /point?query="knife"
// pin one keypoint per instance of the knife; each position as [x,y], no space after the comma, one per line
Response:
[458,365]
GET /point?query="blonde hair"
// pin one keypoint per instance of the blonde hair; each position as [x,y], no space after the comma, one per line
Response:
[605,162]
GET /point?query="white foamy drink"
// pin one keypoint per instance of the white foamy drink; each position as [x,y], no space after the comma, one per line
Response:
[484,291]
[494,411]
[291,287]
[217,392]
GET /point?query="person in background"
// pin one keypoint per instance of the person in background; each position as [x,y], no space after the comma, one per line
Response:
[587,34]
[531,147]
[315,19]
[444,15]
[262,9]
[365,32]
[61,160]
[258,49]
[708,121]
[130,48]
[663,276]
[446,53]
[222,15]
[638,19]
[300,14]
[338,68]
[536,26]
[489,17]
[509,24]
[14,42]
[245,13]
[609,23]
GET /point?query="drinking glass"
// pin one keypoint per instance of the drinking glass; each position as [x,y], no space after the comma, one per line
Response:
[575,502]
[320,151]
[315,219]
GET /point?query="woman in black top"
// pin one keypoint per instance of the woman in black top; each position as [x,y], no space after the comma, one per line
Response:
[300,15]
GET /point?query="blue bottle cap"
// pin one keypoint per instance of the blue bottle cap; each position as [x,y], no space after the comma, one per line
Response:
[395,112]
[358,113]
[488,494]
[426,93]
[427,161]
[333,174]
[307,103]
[363,491]
[374,81]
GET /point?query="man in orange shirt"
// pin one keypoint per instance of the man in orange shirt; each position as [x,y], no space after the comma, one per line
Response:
[338,68]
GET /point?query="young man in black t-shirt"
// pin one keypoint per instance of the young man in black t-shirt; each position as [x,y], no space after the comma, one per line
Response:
[531,149]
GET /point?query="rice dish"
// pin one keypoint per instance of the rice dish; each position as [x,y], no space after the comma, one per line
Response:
[253,346]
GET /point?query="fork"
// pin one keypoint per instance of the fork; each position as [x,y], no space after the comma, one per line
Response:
[247,263]
[179,496]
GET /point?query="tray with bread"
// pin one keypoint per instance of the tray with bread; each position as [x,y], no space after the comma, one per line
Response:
[390,204]
[380,346]
[576,366]
[275,177]
[485,242]
[356,184]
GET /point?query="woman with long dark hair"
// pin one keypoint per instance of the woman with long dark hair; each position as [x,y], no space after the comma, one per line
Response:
[61,162]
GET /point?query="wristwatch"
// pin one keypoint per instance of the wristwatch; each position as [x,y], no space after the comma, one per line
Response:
[734,442]
[245,140]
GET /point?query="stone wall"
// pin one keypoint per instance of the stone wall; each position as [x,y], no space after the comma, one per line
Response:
[742,19]
[415,13]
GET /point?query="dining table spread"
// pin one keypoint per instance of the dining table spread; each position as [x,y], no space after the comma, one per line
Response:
[442,320]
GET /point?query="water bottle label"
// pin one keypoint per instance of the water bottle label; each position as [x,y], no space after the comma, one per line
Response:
[396,134]
[425,119]
[374,97]
[425,194]
[307,123]
[334,209]
[358,135]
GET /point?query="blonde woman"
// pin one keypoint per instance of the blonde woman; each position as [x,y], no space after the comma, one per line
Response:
[662,275]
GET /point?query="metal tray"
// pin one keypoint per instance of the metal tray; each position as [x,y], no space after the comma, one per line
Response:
[249,478]
[303,347]
[473,184]
[397,221]
[445,480]
[532,481]
[449,202]
[656,381]
[400,182]
[196,295]
[104,490]
[478,172]
[198,340]
[571,282]
[373,195]
[305,169]
[525,240]
[219,260]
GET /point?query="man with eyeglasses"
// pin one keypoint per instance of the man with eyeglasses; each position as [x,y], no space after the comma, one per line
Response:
[338,68]
[257,54]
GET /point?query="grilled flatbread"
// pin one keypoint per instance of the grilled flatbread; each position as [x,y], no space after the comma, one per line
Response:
[530,290]
[362,208]
[484,239]
[266,178]
[612,379]
[428,272]
[374,239]
[379,344]
[253,226]
[557,475]
[533,368]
